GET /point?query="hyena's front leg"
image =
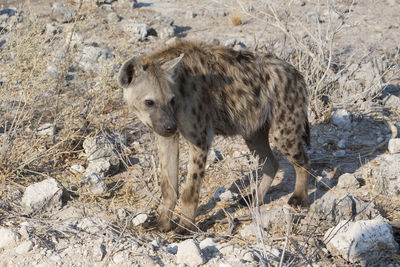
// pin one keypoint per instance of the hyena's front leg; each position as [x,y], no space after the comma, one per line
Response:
[168,148]
[190,196]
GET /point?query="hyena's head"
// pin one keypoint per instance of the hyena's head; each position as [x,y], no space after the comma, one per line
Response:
[148,92]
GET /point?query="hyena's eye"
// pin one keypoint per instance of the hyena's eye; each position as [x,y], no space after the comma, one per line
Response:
[172,101]
[149,102]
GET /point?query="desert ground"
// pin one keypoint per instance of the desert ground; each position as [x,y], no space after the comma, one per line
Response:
[79,173]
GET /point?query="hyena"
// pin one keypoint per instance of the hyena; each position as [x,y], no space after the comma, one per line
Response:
[197,91]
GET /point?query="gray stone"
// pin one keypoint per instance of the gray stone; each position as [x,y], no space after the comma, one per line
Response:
[190,15]
[45,195]
[166,32]
[136,30]
[121,214]
[52,29]
[342,143]
[24,247]
[368,242]
[95,183]
[230,42]
[348,180]
[332,209]
[341,118]
[103,148]
[299,2]
[394,146]
[139,219]
[386,178]
[61,13]
[77,169]
[93,58]
[8,238]
[46,129]
[223,194]
[392,101]
[98,252]
[13,194]
[113,17]
[189,253]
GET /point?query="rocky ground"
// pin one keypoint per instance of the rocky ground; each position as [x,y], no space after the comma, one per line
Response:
[79,174]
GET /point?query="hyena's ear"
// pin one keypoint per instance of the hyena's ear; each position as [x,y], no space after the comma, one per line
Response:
[128,72]
[172,67]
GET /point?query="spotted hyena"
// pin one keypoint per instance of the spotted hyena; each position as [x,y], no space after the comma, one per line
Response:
[197,91]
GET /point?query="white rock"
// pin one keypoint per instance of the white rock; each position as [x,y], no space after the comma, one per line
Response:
[189,253]
[348,180]
[227,196]
[248,230]
[24,247]
[386,178]
[98,252]
[339,153]
[139,219]
[77,168]
[45,194]
[227,249]
[46,129]
[367,242]
[8,238]
[121,214]
[134,29]
[103,148]
[394,146]
[96,183]
[342,143]
[120,258]
[332,209]
[341,118]
[62,14]
[113,17]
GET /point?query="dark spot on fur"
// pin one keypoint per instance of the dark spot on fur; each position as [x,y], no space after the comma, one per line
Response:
[193,110]
[246,81]
[289,144]
[297,156]
[200,165]
[182,89]
[201,174]
[257,91]
[203,78]
[282,116]
[194,176]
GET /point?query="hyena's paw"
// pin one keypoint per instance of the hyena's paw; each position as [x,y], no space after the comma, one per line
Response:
[164,224]
[298,201]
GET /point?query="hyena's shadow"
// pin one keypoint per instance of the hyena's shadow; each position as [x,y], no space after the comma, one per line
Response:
[323,159]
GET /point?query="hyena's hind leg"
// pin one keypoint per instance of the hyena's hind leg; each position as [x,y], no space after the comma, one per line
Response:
[259,145]
[169,155]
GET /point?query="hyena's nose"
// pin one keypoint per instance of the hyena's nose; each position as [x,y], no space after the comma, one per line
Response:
[170,127]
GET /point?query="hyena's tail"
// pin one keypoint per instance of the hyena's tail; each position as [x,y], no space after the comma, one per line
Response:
[306,135]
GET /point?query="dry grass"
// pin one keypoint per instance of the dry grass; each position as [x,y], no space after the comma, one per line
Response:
[33,95]
[236,19]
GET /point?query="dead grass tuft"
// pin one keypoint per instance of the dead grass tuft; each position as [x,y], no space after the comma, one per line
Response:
[236,19]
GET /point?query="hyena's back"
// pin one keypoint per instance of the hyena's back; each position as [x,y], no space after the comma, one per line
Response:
[239,90]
